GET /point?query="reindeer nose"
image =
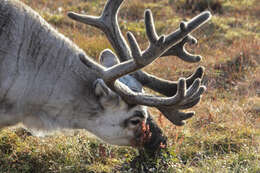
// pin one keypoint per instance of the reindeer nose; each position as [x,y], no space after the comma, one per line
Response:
[149,137]
[157,140]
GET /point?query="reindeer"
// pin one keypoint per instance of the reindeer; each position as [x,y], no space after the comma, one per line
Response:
[47,82]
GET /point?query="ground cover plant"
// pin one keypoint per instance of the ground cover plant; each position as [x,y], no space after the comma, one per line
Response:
[224,136]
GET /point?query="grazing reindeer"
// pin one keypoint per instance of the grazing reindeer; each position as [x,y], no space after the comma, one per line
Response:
[47,82]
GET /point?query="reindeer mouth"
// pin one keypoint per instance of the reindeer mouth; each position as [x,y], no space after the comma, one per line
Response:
[150,137]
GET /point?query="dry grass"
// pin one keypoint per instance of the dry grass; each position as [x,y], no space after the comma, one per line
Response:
[224,136]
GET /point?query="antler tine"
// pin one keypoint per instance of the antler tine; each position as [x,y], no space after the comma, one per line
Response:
[182,98]
[187,27]
[150,100]
[107,22]
[165,87]
[87,19]
[150,28]
[176,116]
[180,51]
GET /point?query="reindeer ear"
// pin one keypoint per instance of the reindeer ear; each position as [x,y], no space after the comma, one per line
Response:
[107,58]
[106,96]
[101,89]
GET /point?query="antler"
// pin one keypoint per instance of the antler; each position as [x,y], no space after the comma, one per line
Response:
[107,22]
[136,59]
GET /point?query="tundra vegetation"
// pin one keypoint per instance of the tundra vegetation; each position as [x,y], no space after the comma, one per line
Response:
[223,136]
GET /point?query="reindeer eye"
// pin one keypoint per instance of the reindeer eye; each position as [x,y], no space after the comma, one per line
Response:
[135,122]
[136,119]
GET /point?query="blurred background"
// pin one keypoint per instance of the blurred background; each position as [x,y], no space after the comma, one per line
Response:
[224,136]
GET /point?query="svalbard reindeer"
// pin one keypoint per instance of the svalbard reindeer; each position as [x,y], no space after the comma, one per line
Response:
[47,82]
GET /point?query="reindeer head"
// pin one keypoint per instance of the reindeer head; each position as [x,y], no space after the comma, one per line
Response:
[123,101]
[119,123]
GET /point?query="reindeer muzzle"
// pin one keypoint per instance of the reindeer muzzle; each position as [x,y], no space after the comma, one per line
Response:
[150,137]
